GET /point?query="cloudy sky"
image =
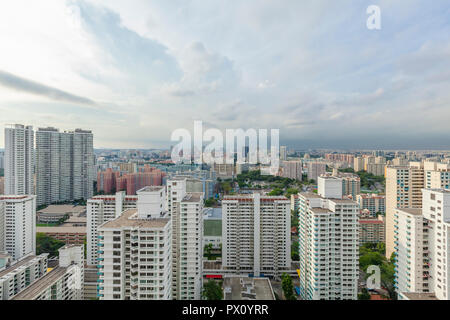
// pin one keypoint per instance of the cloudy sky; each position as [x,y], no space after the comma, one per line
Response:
[133,71]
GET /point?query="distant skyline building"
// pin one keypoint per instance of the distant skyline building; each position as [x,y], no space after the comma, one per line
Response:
[109,181]
[65,165]
[19,160]
[315,170]
[283,153]
[292,169]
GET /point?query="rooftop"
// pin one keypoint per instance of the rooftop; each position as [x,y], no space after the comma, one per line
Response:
[212,214]
[129,219]
[413,211]
[41,284]
[62,229]
[245,288]
[62,209]
[193,197]
[150,189]
[18,264]
[320,210]
[420,296]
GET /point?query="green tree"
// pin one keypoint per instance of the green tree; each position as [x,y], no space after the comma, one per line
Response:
[212,290]
[364,295]
[207,250]
[276,192]
[46,244]
[294,251]
[291,191]
[287,286]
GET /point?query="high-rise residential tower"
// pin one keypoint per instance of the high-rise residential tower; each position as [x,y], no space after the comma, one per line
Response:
[64,165]
[19,216]
[134,255]
[256,234]
[19,159]
[101,209]
[328,248]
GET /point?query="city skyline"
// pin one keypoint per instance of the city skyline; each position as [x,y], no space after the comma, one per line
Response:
[133,74]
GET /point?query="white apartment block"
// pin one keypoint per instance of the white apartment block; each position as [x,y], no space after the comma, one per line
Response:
[18,215]
[19,159]
[329,187]
[64,165]
[21,274]
[189,247]
[411,247]
[47,166]
[135,256]
[65,282]
[256,234]
[437,175]
[425,256]
[283,153]
[358,164]
[328,248]
[101,209]
[436,209]
[83,164]
[186,213]
[403,190]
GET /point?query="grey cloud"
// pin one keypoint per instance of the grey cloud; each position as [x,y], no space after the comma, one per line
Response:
[20,84]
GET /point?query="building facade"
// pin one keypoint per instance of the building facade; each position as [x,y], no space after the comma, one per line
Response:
[19,160]
[328,248]
[101,209]
[19,221]
[256,234]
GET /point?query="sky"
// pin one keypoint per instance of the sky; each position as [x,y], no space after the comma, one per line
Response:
[134,71]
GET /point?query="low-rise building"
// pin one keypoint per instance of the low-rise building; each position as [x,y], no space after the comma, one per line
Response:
[21,274]
[245,288]
[65,282]
[371,230]
[69,235]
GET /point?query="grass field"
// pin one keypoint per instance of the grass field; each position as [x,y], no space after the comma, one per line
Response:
[212,228]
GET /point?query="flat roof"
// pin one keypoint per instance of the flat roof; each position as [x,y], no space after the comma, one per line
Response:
[62,208]
[262,288]
[193,197]
[413,211]
[320,210]
[212,228]
[420,296]
[150,189]
[129,219]
[210,213]
[62,229]
[309,195]
[22,262]
[41,284]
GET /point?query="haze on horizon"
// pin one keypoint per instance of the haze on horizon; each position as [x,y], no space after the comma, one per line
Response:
[134,71]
